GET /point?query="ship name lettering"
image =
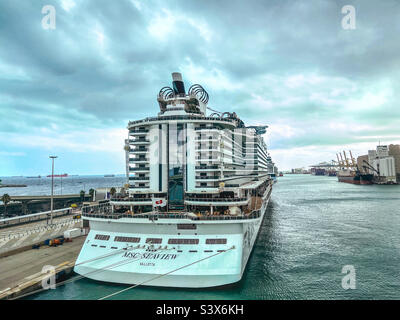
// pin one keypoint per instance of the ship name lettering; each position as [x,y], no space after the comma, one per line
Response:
[164,256]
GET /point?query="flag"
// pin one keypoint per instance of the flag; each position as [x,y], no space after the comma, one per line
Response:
[159,202]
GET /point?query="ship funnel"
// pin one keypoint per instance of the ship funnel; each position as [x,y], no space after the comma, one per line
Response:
[178,85]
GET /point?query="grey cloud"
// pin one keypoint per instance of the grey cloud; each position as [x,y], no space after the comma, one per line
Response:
[249,42]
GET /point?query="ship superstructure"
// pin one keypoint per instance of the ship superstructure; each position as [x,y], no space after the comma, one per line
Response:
[199,186]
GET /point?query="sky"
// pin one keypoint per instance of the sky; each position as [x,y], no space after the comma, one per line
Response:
[70,91]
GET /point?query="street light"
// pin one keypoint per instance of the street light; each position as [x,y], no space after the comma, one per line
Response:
[52,187]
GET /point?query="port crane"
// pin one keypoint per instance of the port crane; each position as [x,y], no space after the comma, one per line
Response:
[345,162]
[353,161]
[368,166]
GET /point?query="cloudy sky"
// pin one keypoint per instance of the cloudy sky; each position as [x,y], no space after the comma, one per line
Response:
[71,90]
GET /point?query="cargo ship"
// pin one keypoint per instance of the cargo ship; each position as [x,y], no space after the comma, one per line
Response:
[58,175]
[354,177]
[199,186]
[318,171]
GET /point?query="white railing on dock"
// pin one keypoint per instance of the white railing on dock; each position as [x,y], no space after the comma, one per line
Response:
[8,222]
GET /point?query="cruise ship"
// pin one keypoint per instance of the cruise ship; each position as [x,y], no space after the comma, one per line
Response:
[199,185]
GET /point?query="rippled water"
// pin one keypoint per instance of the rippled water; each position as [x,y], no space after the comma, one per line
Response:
[68,185]
[313,227]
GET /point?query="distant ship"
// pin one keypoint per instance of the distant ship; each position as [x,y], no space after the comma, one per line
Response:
[109,175]
[34,177]
[58,175]
[318,171]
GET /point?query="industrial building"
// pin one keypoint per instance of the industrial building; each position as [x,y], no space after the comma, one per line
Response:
[383,163]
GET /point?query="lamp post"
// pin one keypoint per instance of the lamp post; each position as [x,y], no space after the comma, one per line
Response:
[52,187]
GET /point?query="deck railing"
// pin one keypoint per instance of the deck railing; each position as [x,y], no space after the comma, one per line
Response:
[131,199]
[104,212]
[180,117]
[217,199]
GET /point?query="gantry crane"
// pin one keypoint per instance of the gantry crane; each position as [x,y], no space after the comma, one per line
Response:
[344,162]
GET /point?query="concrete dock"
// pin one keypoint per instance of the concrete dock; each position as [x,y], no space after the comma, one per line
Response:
[22,272]
[17,238]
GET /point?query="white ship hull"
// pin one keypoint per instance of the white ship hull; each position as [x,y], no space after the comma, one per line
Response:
[170,265]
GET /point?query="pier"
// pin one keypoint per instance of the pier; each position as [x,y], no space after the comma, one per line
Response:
[21,273]
[23,252]
[13,237]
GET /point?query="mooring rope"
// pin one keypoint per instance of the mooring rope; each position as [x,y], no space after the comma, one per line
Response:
[164,274]
[111,266]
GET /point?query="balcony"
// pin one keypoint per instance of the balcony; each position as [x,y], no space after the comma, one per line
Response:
[140,150]
[207,177]
[208,187]
[207,138]
[207,128]
[207,168]
[138,160]
[139,141]
[139,169]
[138,131]
[206,146]
[139,178]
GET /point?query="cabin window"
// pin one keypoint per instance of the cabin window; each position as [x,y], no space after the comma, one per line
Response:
[215,241]
[102,237]
[127,239]
[183,241]
[186,226]
[153,240]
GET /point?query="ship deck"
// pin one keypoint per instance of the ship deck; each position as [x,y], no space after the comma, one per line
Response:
[170,215]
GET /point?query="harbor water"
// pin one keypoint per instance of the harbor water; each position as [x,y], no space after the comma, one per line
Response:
[313,227]
[62,185]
